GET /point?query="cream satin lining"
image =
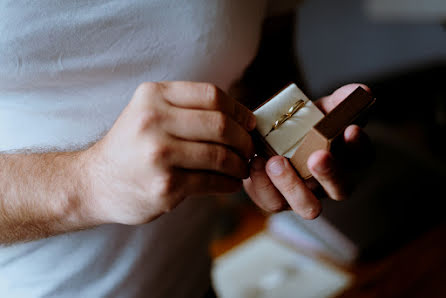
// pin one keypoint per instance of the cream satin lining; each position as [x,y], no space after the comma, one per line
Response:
[286,139]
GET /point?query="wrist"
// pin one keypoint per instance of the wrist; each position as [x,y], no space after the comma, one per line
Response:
[81,168]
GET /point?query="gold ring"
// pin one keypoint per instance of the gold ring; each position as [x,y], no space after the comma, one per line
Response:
[291,111]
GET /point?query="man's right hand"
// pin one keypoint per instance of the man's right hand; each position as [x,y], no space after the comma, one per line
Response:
[174,139]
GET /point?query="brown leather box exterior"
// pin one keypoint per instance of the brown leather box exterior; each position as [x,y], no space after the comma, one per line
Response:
[323,133]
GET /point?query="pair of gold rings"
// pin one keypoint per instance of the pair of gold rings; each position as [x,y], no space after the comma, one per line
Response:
[291,111]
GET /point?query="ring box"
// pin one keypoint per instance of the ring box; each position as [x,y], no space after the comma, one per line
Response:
[297,133]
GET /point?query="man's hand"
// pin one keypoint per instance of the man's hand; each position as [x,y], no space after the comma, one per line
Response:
[174,139]
[275,184]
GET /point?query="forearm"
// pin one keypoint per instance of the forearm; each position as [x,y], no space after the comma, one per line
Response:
[143,167]
[42,195]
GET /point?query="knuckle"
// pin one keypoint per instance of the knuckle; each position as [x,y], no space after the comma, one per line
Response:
[159,152]
[290,187]
[222,157]
[264,186]
[149,118]
[166,188]
[147,95]
[221,124]
[274,207]
[149,88]
[238,113]
[211,94]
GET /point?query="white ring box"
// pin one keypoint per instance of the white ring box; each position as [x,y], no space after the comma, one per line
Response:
[308,129]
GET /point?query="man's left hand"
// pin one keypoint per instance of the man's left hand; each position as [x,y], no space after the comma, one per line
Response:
[274,184]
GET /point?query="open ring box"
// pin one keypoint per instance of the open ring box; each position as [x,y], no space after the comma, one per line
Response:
[291,125]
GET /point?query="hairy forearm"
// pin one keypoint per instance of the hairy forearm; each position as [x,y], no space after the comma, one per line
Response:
[42,195]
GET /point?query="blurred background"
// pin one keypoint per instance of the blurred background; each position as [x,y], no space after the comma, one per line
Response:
[389,238]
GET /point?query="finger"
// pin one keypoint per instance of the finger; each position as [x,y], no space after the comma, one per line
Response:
[299,197]
[353,135]
[328,103]
[359,147]
[211,157]
[356,151]
[203,183]
[312,184]
[249,188]
[321,164]
[205,96]
[315,187]
[262,191]
[209,126]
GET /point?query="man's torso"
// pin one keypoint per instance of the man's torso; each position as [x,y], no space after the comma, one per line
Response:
[67,69]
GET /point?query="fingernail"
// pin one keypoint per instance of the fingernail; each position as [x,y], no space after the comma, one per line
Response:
[258,164]
[276,168]
[252,122]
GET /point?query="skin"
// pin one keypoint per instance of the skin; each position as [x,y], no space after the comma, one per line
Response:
[173,140]
[274,185]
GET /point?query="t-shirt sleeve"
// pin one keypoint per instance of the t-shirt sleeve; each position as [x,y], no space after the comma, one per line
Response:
[278,7]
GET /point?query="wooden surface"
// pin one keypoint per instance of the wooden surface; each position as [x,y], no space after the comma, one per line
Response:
[252,221]
[416,270]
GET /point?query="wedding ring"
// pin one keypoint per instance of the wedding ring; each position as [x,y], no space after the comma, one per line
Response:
[291,111]
[296,107]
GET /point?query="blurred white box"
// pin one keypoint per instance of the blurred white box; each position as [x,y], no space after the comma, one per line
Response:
[262,267]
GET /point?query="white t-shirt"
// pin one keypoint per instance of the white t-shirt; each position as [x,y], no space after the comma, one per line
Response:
[67,69]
